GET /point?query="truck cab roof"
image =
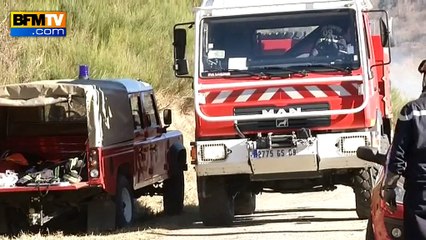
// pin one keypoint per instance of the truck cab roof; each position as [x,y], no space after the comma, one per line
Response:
[220,4]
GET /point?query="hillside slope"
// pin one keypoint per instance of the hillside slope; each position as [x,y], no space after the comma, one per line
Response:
[131,38]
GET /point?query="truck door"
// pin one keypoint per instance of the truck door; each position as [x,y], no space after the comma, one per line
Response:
[140,146]
[154,136]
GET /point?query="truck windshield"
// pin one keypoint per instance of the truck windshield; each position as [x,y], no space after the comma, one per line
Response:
[299,41]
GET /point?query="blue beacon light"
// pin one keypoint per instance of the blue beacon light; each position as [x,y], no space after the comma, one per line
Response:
[83,72]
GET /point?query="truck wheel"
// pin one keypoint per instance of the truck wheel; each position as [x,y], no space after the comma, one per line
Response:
[174,192]
[17,220]
[245,203]
[216,204]
[4,224]
[369,234]
[363,188]
[124,203]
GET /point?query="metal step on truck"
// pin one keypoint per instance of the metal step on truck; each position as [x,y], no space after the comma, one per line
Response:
[82,150]
[284,94]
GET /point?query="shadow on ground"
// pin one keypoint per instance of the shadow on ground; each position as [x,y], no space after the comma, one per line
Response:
[189,219]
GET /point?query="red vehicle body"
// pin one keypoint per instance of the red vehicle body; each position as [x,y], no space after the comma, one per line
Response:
[111,127]
[383,224]
[276,113]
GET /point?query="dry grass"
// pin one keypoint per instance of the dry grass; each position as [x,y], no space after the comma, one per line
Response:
[9,50]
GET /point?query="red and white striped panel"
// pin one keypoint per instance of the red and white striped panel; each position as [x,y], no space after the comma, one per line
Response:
[295,92]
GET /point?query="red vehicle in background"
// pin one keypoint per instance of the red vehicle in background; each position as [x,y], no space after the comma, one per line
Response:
[85,149]
[285,92]
[383,224]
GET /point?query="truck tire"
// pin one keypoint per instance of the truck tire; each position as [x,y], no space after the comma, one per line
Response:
[245,203]
[124,203]
[216,204]
[362,186]
[173,193]
[4,223]
[17,220]
[369,234]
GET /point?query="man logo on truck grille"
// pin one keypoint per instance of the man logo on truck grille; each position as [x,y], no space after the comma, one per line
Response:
[281,111]
[281,122]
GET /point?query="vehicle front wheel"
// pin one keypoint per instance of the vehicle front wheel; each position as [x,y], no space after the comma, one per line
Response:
[124,202]
[216,204]
[245,203]
[173,193]
[362,186]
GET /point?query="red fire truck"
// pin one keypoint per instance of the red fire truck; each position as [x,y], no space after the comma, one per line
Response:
[284,94]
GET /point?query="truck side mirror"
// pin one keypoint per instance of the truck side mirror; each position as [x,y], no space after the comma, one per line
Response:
[179,43]
[181,67]
[180,63]
[384,33]
[167,117]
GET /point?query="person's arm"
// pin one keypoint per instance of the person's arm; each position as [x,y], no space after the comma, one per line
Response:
[397,156]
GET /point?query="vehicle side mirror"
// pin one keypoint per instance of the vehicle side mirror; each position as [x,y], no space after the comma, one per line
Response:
[179,43]
[384,33]
[180,63]
[167,117]
[371,154]
[181,67]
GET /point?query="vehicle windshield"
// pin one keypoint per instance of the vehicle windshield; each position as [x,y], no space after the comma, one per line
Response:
[279,43]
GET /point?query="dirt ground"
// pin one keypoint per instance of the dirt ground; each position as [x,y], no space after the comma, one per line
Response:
[319,215]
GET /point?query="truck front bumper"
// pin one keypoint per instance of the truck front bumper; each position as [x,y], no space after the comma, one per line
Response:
[238,156]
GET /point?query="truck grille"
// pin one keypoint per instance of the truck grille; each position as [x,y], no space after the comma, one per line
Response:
[283,123]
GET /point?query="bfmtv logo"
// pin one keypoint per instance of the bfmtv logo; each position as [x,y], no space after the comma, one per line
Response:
[38,24]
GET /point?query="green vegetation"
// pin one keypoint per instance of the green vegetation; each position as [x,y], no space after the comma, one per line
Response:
[398,102]
[131,38]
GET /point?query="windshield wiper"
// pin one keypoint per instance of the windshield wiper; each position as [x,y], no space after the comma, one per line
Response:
[233,73]
[285,69]
[347,69]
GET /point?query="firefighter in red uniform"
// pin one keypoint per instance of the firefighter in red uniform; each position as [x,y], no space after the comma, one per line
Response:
[407,157]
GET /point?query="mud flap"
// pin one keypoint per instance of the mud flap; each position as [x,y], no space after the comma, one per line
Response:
[4,228]
[100,216]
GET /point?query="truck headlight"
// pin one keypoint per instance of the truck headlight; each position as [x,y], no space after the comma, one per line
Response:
[349,144]
[212,152]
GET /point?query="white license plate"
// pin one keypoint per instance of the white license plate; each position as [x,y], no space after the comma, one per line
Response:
[272,153]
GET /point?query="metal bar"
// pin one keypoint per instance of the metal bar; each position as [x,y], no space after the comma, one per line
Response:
[280,4]
[270,83]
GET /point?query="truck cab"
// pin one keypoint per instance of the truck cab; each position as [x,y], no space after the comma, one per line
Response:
[284,93]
